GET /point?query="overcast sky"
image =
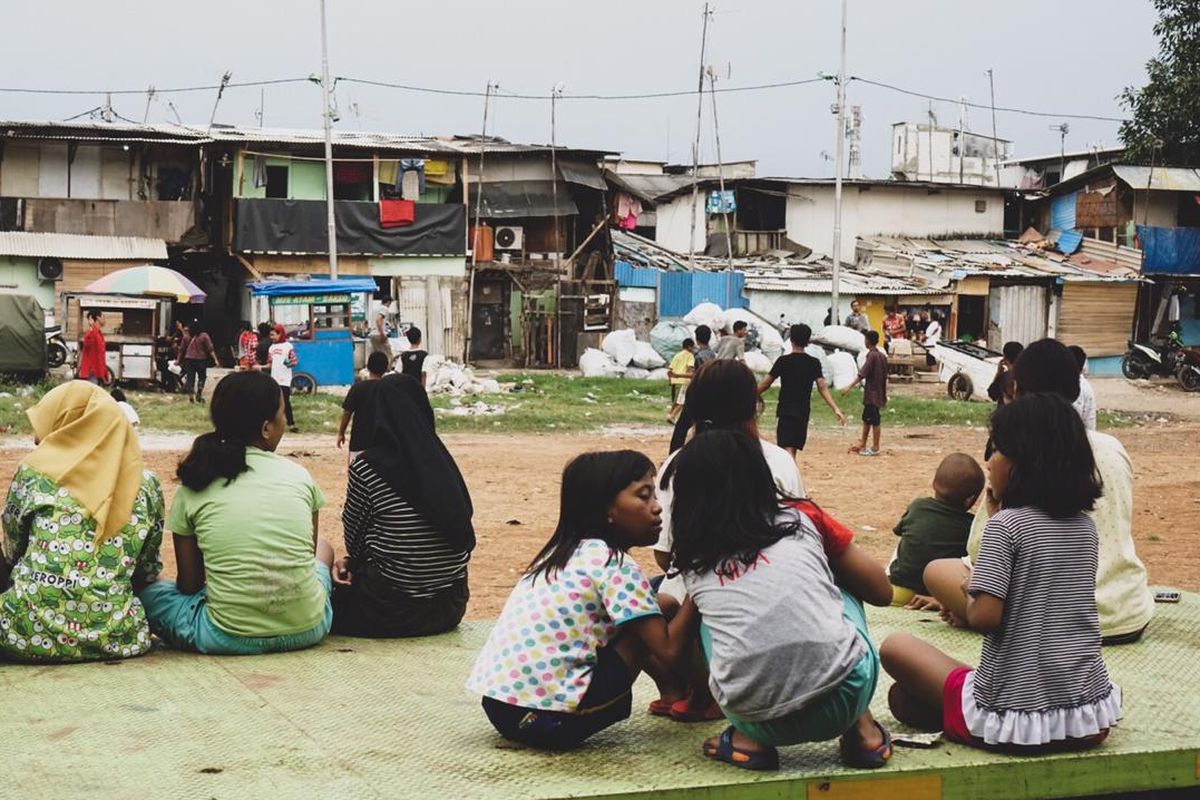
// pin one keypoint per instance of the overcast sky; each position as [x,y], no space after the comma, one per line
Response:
[1070,56]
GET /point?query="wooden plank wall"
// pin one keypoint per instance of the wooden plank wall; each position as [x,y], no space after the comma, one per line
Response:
[308,265]
[1097,316]
[153,219]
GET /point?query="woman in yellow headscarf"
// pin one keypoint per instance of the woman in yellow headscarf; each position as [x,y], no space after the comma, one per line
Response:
[82,531]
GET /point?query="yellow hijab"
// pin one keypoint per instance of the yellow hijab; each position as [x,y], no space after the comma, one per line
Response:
[88,447]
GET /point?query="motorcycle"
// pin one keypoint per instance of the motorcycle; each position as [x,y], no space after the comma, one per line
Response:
[57,352]
[1188,373]
[1144,359]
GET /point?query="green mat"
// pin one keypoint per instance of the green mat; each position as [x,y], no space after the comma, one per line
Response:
[364,719]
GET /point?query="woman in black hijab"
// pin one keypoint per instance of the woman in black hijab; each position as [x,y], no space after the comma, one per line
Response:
[407,523]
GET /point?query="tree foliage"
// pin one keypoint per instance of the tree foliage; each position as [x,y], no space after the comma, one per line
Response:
[1166,111]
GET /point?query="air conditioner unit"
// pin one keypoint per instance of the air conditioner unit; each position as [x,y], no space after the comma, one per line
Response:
[510,237]
[50,269]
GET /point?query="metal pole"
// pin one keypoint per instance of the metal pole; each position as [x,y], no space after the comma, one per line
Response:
[835,312]
[328,116]
[487,99]
[995,138]
[712,82]
[557,244]
[696,143]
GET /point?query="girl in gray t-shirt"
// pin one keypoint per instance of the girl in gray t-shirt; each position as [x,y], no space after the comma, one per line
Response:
[782,626]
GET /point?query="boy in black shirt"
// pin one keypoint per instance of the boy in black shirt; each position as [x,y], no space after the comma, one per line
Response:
[357,406]
[798,371]
[412,360]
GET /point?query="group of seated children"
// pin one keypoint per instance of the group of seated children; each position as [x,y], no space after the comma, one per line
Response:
[83,526]
[766,621]
[766,627]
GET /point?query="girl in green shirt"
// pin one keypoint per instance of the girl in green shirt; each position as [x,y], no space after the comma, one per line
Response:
[245,531]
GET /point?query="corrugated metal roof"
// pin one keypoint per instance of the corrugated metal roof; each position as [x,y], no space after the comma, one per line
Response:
[70,245]
[1167,179]
[958,258]
[651,188]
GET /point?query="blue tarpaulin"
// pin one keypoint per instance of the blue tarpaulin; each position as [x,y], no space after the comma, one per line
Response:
[1062,212]
[679,292]
[1170,251]
[314,287]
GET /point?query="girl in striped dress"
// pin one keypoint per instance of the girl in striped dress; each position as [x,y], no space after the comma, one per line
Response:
[1041,684]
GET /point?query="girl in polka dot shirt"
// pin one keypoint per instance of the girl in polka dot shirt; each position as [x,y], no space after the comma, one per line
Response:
[583,621]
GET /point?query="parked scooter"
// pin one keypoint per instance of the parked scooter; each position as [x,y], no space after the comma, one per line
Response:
[1188,373]
[1144,359]
[56,346]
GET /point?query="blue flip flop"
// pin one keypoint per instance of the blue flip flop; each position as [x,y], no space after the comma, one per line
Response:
[745,759]
[855,756]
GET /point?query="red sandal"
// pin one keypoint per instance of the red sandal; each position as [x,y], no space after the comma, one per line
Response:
[682,711]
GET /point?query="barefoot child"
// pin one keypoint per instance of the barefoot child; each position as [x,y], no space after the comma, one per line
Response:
[245,532]
[782,621]
[935,527]
[873,377]
[583,621]
[1041,684]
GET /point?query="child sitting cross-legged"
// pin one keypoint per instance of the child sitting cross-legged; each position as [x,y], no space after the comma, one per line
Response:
[935,527]
[782,622]
[583,621]
[1041,684]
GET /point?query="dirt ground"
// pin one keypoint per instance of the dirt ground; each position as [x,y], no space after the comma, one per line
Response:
[514,484]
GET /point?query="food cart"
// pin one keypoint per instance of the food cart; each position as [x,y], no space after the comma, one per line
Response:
[324,311]
[134,331]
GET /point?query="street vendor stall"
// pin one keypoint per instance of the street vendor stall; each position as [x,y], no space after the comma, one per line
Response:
[323,311]
[136,303]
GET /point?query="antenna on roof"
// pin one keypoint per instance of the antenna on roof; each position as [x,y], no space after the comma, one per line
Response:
[106,111]
[260,112]
[228,76]
[149,99]
[175,111]
[1063,129]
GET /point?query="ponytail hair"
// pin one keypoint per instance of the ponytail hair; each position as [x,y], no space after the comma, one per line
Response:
[241,403]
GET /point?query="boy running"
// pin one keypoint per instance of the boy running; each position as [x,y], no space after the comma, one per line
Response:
[797,371]
[679,375]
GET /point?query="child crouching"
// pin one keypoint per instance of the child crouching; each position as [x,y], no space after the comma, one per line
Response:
[583,622]
[782,625]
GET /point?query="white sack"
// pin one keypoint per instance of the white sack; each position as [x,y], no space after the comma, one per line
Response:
[709,314]
[818,352]
[659,374]
[637,373]
[842,369]
[758,362]
[598,364]
[667,338]
[644,356]
[621,345]
[762,334]
[841,337]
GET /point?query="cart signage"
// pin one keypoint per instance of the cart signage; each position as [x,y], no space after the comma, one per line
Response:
[310,299]
[115,301]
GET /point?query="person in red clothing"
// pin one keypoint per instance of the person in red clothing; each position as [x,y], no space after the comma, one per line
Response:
[92,366]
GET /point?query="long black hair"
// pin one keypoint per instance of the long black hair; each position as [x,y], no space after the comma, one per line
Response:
[725,502]
[1052,463]
[1047,366]
[723,394]
[590,483]
[241,403]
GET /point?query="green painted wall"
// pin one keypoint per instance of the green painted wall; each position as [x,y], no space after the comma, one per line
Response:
[20,274]
[516,320]
[306,179]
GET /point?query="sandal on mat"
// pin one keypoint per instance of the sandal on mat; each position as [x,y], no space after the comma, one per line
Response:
[682,711]
[853,755]
[745,759]
[660,707]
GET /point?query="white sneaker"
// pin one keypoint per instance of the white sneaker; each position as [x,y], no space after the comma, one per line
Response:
[866,451]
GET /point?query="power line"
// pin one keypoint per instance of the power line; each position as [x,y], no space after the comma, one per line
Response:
[1007,109]
[176,90]
[520,96]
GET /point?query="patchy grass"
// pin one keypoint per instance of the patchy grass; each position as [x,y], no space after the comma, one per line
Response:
[540,402]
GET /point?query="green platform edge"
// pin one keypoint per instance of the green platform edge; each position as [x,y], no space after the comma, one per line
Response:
[356,718]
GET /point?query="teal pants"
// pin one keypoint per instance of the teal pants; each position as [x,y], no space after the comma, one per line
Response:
[831,714]
[182,621]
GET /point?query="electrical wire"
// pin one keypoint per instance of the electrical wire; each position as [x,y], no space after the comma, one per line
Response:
[985,106]
[520,96]
[176,90]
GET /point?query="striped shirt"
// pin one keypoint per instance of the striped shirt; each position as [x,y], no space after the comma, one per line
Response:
[384,531]
[1046,653]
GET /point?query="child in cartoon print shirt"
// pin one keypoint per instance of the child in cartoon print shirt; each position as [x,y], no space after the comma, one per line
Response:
[69,577]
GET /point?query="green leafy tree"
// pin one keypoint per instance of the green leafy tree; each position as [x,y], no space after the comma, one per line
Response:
[1166,111]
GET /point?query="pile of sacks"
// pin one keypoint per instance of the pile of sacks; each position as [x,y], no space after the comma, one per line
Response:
[621,354]
[841,350]
[444,376]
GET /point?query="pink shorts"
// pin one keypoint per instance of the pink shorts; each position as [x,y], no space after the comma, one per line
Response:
[955,724]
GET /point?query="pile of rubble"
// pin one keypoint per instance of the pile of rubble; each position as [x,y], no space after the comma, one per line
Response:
[448,377]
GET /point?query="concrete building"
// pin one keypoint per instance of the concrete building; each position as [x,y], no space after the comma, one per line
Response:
[938,154]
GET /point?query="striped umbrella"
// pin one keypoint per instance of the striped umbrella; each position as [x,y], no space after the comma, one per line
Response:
[148,281]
